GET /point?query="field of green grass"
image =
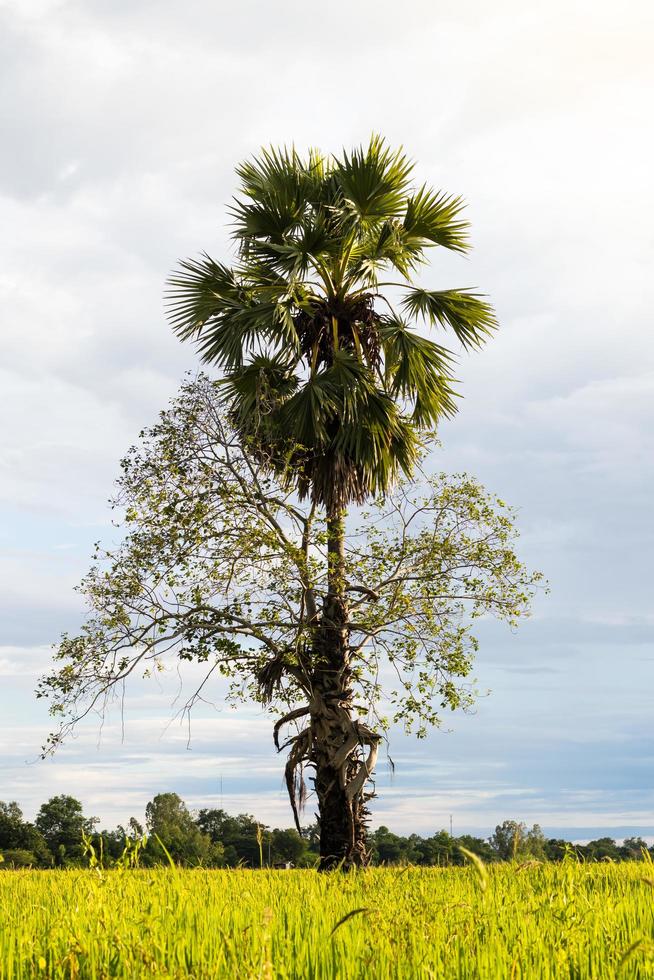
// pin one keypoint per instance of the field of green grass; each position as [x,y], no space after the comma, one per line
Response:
[568,920]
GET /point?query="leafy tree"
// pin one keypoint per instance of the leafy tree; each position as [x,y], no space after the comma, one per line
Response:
[172,827]
[477,845]
[19,837]
[602,849]
[11,824]
[62,823]
[222,566]
[513,841]
[330,390]
[535,843]
[216,823]
[328,380]
[437,850]
[288,845]
[311,835]
[237,835]
[16,834]
[556,849]
[133,831]
[389,848]
[167,810]
[507,839]
[633,848]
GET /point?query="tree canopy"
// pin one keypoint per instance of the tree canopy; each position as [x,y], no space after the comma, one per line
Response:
[214,838]
[239,553]
[331,385]
[223,567]
[321,364]
[62,824]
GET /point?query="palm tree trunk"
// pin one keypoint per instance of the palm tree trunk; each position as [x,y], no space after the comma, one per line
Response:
[336,762]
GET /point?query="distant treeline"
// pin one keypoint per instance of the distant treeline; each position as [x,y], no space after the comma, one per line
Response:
[63,836]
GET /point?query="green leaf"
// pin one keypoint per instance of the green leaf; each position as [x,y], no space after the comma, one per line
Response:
[470,317]
[419,370]
[374,180]
[432,217]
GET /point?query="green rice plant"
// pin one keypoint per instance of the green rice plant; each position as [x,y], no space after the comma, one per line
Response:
[545,921]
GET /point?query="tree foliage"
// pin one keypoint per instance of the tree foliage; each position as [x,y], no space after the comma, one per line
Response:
[19,837]
[220,565]
[331,384]
[174,833]
[62,824]
[215,838]
[323,364]
[512,841]
[239,554]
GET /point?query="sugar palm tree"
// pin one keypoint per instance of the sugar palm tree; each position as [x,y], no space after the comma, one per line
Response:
[326,377]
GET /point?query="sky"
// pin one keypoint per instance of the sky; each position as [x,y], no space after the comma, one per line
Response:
[121,123]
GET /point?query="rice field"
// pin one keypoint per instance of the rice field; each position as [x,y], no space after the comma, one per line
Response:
[568,920]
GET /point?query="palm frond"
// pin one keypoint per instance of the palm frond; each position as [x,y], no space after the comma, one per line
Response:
[382,247]
[199,291]
[256,391]
[305,417]
[229,318]
[311,361]
[470,317]
[378,444]
[374,180]
[420,371]
[278,178]
[253,221]
[353,380]
[432,218]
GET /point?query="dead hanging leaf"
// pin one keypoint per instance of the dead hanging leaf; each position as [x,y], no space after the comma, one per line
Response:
[349,915]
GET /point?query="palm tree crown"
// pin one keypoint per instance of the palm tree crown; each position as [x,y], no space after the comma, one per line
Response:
[322,370]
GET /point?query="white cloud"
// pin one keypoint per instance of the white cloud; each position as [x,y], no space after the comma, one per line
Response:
[24,661]
[608,422]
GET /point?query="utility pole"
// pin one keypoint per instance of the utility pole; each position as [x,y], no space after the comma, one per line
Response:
[451,834]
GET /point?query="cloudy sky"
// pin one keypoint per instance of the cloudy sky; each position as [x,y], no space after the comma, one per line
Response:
[121,122]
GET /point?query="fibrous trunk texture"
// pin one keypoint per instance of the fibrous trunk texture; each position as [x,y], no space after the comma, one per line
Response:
[337,738]
[340,749]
